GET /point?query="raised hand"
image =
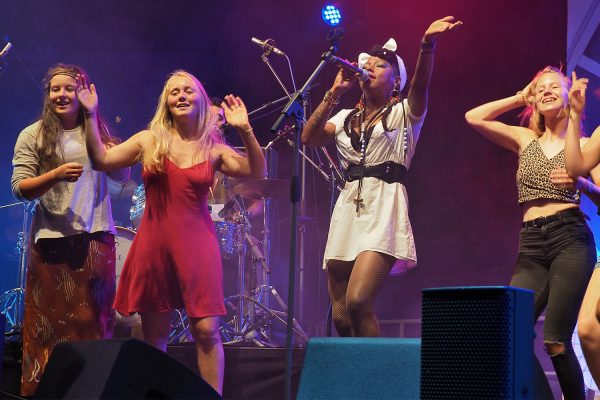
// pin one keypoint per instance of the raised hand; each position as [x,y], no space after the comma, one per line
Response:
[236,113]
[69,172]
[86,94]
[343,82]
[440,26]
[528,94]
[577,93]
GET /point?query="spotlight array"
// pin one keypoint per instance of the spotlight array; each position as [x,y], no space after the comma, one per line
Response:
[331,15]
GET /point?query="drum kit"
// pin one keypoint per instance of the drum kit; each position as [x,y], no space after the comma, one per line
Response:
[251,313]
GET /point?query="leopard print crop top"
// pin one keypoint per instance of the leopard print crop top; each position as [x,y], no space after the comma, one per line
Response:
[533,176]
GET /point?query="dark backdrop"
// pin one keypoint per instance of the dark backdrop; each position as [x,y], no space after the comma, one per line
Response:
[461,187]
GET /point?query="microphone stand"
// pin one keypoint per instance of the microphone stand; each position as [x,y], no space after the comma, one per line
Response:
[279,100]
[265,59]
[294,108]
[11,301]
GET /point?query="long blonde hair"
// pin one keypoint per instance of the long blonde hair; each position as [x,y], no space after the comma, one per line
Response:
[530,116]
[162,123]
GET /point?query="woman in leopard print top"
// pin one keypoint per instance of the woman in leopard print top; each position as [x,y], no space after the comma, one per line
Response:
[555,241]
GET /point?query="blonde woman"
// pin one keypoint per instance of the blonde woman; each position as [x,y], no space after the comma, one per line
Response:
[174,260]
[556,248]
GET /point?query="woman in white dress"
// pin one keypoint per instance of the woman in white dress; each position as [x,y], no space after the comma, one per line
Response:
[370,234]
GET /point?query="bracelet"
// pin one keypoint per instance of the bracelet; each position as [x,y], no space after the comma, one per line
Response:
[330,99]
[523,98]
[427,46]
[248,130]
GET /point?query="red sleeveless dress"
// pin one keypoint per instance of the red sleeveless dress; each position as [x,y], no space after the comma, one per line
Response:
[174,260]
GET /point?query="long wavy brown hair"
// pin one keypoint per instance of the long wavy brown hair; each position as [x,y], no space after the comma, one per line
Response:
[50,149]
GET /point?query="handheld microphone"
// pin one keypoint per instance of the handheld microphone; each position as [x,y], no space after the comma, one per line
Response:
[268,46]
[229,206]
[360,73]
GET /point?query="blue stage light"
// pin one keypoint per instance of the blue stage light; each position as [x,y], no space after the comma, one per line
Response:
[331,15]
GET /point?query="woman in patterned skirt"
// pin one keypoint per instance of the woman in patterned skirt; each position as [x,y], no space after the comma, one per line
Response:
[70,282]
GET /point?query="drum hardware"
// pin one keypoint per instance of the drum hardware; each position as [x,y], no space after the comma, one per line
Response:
[253,314]
[180,328]
[139,204]
[11,301]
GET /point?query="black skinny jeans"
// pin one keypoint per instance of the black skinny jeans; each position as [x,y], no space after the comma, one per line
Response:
[556,260]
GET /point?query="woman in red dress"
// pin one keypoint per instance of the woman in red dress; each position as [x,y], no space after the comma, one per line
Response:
[174,260]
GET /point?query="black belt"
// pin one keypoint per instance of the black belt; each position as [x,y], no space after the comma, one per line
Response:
[540,221]
[389,172]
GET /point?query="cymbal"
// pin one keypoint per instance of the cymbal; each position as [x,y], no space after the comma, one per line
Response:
[262,188]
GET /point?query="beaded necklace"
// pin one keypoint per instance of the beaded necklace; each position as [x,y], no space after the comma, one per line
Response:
[361,141]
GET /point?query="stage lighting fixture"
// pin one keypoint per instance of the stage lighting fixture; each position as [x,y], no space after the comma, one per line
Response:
[331,15]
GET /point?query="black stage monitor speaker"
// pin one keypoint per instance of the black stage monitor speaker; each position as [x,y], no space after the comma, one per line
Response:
[477,343]
[118,369]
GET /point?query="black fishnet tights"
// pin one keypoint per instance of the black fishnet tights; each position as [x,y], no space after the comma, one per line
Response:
[353,287]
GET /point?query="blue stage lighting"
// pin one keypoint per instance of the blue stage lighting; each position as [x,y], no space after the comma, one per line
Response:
[331,15]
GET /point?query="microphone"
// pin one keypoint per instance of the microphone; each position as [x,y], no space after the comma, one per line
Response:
[268,46]
[6,49]
[3,52]
[229,206]
[360,73]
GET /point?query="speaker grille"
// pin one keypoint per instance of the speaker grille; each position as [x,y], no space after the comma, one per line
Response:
[468,343]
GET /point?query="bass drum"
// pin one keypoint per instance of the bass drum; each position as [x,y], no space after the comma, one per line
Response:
[123,241]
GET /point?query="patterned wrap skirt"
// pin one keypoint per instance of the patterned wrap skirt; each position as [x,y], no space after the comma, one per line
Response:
[70,287]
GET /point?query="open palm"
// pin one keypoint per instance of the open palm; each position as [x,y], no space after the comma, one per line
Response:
[86,94]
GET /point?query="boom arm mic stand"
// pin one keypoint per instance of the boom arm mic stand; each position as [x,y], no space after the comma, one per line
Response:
[295,108]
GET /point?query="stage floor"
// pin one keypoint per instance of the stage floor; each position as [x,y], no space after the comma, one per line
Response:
[250,372]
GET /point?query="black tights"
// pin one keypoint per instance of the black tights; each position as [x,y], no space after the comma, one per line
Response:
[353,286]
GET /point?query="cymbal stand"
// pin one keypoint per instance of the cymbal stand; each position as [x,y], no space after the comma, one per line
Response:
[242,327]
[235,331]
[11,301]
[254,315]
